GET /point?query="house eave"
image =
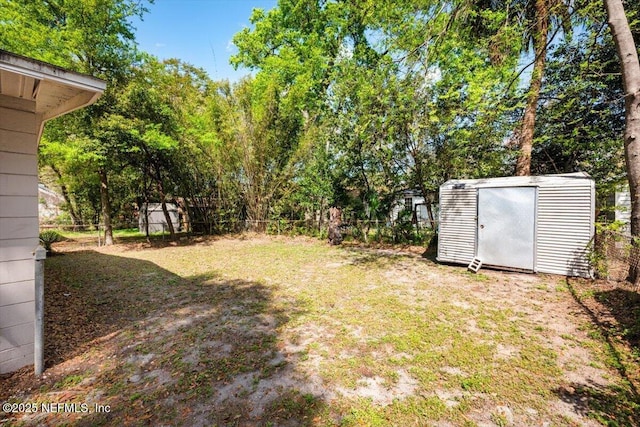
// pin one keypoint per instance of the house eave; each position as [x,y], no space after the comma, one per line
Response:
[54,90]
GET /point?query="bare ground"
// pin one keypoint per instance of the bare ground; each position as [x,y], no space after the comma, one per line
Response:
[277,331]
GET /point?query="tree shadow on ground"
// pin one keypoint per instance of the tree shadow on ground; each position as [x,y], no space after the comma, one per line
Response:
[134,241]
[160,349]
[611,405]
[624,305]
[368,255]
[613,313]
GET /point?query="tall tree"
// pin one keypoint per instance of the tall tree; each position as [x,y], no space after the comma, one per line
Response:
[628,53]
[91,36]
[579,127]
[538,15]
[267,133]
[363,65]
[538,21]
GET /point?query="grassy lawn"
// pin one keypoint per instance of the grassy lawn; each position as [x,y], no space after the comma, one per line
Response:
[278,331]
[92,235]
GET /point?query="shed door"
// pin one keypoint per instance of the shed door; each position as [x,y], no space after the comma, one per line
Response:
[506,226]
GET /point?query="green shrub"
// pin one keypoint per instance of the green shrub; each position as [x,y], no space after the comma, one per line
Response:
[48,238]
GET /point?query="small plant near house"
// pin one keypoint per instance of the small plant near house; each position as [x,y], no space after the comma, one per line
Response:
[48,238]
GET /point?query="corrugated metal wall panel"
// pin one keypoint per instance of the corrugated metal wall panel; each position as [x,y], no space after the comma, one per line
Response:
[564,221]
[564,228]
[457,225]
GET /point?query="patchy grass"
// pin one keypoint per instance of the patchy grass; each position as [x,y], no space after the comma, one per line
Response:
[278,331]
[91,234]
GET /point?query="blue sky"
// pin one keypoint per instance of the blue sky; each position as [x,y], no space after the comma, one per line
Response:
[197,31]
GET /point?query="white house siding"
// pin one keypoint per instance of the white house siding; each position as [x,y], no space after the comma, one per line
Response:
[31,92]
[623,209]
[565,228]
[457,225]
[19,126]
[418,206]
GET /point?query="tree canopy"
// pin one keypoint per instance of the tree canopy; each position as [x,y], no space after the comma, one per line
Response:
[349,103]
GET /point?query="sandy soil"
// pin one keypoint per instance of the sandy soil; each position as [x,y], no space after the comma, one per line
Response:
[148,363]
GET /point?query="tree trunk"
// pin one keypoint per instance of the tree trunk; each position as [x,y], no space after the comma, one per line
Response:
[321,214]
[163,203]
[167,218]
[540,35]
[426,194]
[183,214]
[630,66]
[165,211]
[335,221]
[432,219]
[427,201]
[75,219]
[106,207]
[145,209]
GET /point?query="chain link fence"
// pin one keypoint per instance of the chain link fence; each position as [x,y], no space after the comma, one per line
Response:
[376,231]
[613,255]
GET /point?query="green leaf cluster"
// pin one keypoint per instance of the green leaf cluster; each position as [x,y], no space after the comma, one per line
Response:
[350,103]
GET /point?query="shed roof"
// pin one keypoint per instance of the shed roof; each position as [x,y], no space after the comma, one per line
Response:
[56,91]
[520,181]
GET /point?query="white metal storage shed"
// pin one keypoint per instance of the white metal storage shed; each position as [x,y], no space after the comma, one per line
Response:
[533,223]
[153,213]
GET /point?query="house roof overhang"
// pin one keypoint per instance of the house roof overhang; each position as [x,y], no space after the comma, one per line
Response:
[54,90]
